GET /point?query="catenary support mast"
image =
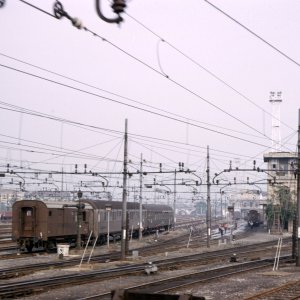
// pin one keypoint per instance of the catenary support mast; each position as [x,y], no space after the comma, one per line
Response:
[208,210]
[124,196]
[141,200]
[298,196]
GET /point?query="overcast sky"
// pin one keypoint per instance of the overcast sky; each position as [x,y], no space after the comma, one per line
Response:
[185,76]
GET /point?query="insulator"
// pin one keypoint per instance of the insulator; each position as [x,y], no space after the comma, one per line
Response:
[77,23]
[118,6]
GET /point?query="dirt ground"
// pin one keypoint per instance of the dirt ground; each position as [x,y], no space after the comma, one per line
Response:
[234,288]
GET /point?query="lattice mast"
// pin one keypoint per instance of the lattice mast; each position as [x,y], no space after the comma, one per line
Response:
[275,99]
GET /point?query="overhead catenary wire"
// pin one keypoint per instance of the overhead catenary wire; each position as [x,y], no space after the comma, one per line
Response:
[172,80]
[157,139]
[202,67]
[253,33]
[51,117]
[125,98]
[23,1]
[126,104]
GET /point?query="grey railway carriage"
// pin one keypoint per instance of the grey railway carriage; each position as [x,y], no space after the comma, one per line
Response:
[39,224]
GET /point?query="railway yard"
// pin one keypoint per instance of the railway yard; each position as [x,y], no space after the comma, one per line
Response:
[150,150]
[237,266]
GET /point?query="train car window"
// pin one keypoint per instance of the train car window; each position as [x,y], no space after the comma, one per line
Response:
[50,213]
[29,213]
[84,216]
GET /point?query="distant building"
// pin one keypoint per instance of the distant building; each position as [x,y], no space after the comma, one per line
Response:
[281,172]
[281,175]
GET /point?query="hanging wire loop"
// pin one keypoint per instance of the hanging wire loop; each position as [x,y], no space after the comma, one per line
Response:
[2,2]
[118,7]
[59,10]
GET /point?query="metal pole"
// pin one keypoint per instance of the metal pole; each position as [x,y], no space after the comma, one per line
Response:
[208,212]
[79,214]
[174,205]
[124,197]
[221,207]
[298,196]
[108,229]
[87,244]
[141,200]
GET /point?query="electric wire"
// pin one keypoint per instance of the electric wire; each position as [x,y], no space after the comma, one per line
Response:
[24,1]
[142,137]
[125,98]
[203,68]
[125,104]
[173,81]
[83,156]
[253,33]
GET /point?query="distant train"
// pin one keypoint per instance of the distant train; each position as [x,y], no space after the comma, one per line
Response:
[38,224]
[253,218]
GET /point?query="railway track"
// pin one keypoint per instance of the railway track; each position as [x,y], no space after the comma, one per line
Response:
[18,271]
[180,281]
[289,291]
[34,286]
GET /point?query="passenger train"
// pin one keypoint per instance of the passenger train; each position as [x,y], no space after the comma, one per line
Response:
[38,224]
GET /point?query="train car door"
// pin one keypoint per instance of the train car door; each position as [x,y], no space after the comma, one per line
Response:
[27,221]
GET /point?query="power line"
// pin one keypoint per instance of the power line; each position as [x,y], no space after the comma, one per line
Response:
[123,97]
[141,137]
[126,98]
[173,81]
[253,33]
[125,104]
[38,8]
[200,66]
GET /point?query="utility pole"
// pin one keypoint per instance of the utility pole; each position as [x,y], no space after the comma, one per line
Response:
[208,211]
[124,196]
[141,200]
[298,196]
[174,204]
[79,220]
[221,193]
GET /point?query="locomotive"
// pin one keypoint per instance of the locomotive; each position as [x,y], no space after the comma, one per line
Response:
[253,218]
[43,225]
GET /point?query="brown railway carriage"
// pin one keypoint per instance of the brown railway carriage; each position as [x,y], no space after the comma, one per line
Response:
[44,224]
